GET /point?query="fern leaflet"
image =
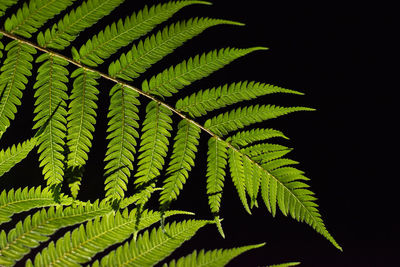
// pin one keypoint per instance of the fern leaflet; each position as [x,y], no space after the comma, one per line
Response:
[6,4]
[182,160]
[152,247]
[198,104]
[12,155]
[116,36]
[81,120]
[122,136]
[213,258]
[37,228]
[50,109]
[17,201]
[171,80]
[68,28]
[154,144]
[83,243]
[157,46]
[13,78]
[32,16]
[241,117]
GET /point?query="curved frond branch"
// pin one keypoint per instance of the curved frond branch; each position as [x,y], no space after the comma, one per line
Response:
[175,78]
[83,243]
[146,53]
[182,161]
[20,200]
[68,28]
[200,103]
[211,258]
[14,154]
[122,33]
[50,109]
[13,79]
[32,16]
[37,228]
[122,135]
[236,119]
[152,247]
[154,143]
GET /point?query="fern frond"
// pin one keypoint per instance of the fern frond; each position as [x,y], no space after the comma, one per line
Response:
[68,28]
[245,138]
[265,148]
[239,175]
[199,103]
[14,154]
[4,4]
[282,187]
[241,117]
[212,258]
[83,243]
[122,134]
[152,247]
[37,228]
[20,200]
[32,16]
[50,94]
[81,119]
[153,143]
[118,35]
[174,78]
[216,163]
[182,160]
[13,78]
[157,46]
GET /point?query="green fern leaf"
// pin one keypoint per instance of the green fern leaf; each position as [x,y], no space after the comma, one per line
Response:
[37,228]
[213,258]
[174,78]
[1,47]
[32,16]
[265,149]
[50,109]
[216,163]
[81,120]
[68,28]
[153,144]
[281,186]
[157,46]
[198,104]
[241,117]
[119,35]
[152,247]
[13,78]
[83,243]
[4,4]
[182,160]
[245,138]
[122,134]
[238,174]
[12,155]
[17,201]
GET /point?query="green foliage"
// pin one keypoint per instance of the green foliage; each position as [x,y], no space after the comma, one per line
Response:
[154,157]
[151,247]
[12,155]
[213,258]
[13,78]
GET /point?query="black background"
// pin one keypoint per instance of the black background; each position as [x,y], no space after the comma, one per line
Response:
[341,56]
